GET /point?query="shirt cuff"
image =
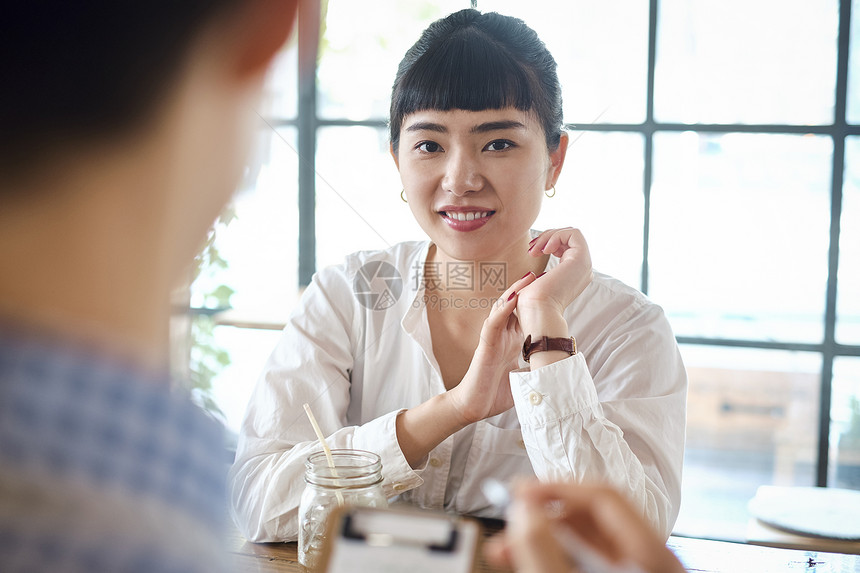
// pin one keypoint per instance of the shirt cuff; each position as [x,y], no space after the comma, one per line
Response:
[380,436]
[553,392]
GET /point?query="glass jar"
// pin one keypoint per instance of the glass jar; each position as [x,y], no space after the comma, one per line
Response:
[356,479]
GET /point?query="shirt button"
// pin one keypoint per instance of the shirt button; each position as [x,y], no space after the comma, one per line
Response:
[399,486]
[435,462]
[535,398]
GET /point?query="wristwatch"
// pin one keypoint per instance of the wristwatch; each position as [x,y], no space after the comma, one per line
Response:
[546,343]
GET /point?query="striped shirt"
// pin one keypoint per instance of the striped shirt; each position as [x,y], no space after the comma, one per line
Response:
[103,468]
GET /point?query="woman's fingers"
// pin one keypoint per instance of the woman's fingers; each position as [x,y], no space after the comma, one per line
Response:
[484,391]
[516,287]
[538,246]
[557,241]
[558,287]
[502,318]
[501,314]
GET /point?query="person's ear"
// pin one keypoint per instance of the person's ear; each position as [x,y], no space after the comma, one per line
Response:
[260,28]
[556,160]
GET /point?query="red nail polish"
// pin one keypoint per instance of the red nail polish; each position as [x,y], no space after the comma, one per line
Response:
[532,242]
[525,275]
[513,294]
[542,274]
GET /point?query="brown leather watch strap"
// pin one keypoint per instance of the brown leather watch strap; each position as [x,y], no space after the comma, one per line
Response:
[546,343]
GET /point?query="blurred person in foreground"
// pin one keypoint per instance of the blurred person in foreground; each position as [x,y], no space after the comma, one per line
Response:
[124,127]
[599,515]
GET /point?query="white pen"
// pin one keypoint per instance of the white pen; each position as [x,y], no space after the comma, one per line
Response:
[586,559]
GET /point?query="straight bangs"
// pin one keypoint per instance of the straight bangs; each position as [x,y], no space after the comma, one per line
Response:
[469,72]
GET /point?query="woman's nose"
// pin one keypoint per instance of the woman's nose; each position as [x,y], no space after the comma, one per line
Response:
[462,174]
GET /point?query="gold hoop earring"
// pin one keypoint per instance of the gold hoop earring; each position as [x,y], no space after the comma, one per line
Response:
[553,193]
[403,196]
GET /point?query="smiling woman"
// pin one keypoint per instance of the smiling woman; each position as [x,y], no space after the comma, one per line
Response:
[446,389]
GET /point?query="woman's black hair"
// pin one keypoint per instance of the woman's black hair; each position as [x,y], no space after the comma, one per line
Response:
[474,61]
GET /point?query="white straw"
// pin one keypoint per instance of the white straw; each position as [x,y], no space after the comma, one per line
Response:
[326,450]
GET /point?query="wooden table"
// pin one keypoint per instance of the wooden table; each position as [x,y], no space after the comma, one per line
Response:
[698,555]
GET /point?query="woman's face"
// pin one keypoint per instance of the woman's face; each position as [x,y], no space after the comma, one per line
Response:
[474,180]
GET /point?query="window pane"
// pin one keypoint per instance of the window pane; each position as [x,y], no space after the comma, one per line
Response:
[358,195]
[853,108]
[746,61]
[259,245]
[740,233]
[845,424]
[361,48]
[600,192]
[601,51]
[848,301]
[751,420]
[248,349]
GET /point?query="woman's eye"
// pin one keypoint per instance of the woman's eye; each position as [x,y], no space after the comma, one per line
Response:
[428,147]
[499,145]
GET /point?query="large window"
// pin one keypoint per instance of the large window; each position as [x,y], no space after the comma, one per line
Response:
[714,164]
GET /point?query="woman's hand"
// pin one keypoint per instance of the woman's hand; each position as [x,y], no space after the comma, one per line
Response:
[485,390]
[598,515]
[560,286]
[540,306]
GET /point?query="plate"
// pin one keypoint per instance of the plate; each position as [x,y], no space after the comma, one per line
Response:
[831,513]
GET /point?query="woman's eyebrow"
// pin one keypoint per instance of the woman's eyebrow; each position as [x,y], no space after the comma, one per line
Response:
[427,126]
[480,128]
[497,126]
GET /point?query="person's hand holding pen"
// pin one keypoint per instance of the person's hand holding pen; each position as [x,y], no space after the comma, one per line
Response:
[562,527]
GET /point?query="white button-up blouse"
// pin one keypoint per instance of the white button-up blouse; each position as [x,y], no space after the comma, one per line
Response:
[613,413]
